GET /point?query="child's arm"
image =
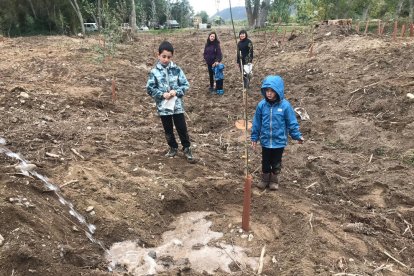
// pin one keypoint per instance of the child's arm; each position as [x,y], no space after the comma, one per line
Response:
[182,84]
[292,123]
[256,126]
[153,87]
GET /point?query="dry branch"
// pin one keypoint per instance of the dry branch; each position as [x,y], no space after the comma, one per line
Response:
[400,263]
[77,153]
[261,260]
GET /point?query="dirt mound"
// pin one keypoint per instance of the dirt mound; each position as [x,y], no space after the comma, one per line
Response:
[346,200]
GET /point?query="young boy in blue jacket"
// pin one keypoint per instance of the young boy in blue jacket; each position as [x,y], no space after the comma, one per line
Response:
[167,85]
[273,120]
[219,77]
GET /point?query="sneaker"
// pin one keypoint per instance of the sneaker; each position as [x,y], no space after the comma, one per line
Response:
[188,154]
[172,152]
[220,92]
[261,185]
[211,89]
[274,186]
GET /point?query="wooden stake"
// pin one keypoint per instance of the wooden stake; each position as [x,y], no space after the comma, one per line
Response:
[379,27]
[394,34]
[246,203]
[357,28]
[383,28]
[366,27]
[114,95]
[403,30]
[411,30]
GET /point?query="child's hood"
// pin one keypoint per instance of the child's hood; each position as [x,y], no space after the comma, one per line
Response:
[276,83]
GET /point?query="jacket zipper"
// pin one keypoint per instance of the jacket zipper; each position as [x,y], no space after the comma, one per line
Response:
[271,116]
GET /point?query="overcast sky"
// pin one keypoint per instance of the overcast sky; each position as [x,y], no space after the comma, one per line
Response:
[210,7]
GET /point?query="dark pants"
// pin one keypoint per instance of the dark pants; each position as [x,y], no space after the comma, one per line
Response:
[219,84]
[168,122]
[272,160]
[211,75]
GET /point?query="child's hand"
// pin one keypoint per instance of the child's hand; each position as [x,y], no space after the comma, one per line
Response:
[173,93]
[166,95]
[301,140]
[254,145]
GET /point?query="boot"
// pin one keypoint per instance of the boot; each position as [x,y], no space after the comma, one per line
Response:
[188,155]
[264,182]
[172,152]
[220,92]
[274,182]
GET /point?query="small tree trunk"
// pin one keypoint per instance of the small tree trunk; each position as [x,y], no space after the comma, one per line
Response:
[366,12]
[33,10]
[399,8]
[133,17]
[75,6]
[99,14]
[252,11]
[411,11]
[264,10]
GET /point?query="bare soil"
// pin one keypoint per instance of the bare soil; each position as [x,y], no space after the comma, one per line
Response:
[346,201]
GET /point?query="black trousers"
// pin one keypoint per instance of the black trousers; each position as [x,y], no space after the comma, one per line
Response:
[219,84]
[168,122]
[211,75]
[272,160]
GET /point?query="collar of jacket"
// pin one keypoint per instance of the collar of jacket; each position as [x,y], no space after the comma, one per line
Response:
[170,65]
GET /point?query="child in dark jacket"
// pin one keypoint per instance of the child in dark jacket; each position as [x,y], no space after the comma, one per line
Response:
[273,120]
[212,57]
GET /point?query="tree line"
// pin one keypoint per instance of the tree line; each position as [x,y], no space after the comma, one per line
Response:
[28,17]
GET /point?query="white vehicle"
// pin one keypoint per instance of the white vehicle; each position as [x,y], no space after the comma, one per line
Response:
[90,27]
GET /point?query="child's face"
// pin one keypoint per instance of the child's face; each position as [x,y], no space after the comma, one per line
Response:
[212,37]
[242,36]
[270,94]
[165,57]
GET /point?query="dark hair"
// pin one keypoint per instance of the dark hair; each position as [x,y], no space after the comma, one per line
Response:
[243,32]
[216,41]
[165,46]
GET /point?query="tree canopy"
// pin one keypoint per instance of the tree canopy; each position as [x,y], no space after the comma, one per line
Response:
[27,17]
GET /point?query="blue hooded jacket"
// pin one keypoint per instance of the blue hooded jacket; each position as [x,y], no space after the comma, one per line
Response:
[273,122]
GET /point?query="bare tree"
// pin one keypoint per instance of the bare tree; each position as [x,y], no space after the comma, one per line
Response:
[75,6]
[33,10]
[257,12]
[399,8]
[264,10]
[100,14]
[133,17]
[365,12]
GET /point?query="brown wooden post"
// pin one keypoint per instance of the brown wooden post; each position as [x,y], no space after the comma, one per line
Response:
[394,33]
[247,203]
[403,30]
[411,30]
[383,28]
[379,27]
[366,28]
[357,28]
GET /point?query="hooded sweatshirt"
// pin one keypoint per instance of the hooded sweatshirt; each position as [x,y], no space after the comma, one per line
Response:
[272,122]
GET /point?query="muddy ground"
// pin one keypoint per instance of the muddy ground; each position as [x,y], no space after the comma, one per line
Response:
[346,201]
